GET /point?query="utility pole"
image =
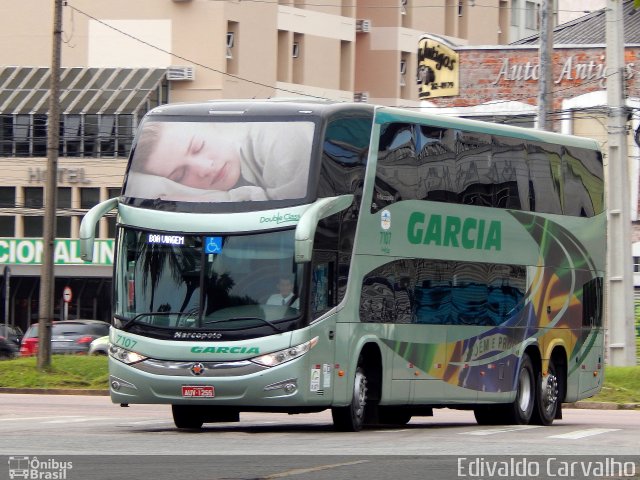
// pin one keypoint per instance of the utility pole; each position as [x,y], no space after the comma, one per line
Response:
[545,54]
[620,320]
[47,278]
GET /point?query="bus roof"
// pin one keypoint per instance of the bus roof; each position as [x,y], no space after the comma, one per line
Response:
[389,114]
[295,106]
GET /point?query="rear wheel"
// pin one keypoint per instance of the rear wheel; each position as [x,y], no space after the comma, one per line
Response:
[187,416]
[351,417]
[519,412]
[547,396]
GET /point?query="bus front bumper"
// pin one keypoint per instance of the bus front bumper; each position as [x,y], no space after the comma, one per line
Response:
[238,384]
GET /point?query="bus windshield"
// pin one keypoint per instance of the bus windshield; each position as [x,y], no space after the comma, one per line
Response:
[193,282]
[206,161]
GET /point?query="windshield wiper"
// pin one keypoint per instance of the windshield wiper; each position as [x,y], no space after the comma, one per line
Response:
[131,321]
[271,324]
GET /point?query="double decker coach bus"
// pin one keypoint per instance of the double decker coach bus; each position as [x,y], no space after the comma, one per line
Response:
[293,257]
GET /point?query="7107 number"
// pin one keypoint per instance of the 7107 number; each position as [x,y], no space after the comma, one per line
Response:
[125,341]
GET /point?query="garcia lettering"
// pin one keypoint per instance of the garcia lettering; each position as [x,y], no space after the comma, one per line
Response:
[468,233]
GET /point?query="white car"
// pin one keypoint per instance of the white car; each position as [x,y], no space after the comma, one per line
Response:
[100,346]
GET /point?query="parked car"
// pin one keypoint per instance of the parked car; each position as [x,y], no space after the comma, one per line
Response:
[12,333]
[7,349]
[68,336]
[100,346]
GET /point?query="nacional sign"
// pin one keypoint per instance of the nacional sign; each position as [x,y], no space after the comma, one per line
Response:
[438,68]
[66,251]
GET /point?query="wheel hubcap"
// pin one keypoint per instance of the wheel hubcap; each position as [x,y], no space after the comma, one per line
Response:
[549,391]
[359,394]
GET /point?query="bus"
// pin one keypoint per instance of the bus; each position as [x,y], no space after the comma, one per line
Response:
[298,256]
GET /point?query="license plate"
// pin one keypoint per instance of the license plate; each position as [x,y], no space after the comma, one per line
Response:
[197,391]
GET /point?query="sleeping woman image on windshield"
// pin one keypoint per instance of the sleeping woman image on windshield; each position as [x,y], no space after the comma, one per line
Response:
[207,161]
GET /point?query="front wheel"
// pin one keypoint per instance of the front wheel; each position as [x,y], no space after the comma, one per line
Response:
[351,417]
[187,416]
[547,396]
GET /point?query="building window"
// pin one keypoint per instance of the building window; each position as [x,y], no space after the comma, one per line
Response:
[33,197]
[7,226]
[532,15]
[89,197]
[63,227]
[32,226]
[636,264]
[90,136]
[515,13]
[7,197]
[64,197]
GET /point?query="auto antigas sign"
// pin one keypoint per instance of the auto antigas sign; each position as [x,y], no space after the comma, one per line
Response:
[28,251]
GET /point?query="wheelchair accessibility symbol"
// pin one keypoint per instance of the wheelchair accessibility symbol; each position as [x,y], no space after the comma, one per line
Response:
[212,244]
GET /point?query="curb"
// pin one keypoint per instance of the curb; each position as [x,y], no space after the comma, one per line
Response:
[602,405]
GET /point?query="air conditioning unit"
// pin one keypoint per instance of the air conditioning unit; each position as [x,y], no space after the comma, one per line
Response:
[362,97]
[363,26]
[178,73]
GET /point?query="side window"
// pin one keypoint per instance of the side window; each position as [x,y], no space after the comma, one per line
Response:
[436,164]
[377,301]
[544,178]
[443,293]
[592,303]
[582,173]
[323,286]
[344,156]
[396,169]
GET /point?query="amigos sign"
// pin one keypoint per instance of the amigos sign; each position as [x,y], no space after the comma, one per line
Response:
[438,68]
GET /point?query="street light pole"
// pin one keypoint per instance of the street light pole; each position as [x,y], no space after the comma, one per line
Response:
[620,321]
[47,279]
[545,54]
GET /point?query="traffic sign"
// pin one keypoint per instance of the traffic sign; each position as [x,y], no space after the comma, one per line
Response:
[67,295]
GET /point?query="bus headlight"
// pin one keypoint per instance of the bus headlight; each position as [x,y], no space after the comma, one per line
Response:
[125,356]
[286,355]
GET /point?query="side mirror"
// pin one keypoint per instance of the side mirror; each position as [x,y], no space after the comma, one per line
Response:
[306,229]
[88,227]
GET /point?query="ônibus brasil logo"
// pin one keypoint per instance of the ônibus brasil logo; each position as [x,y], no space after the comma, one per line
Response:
[35,468]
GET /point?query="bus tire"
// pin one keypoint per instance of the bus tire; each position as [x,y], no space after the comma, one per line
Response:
[393,416]
[351,417]
[489,414]
[521,410]
[547,396]
[187,416]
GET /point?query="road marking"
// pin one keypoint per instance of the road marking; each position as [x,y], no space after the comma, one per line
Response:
[76,420]
[494,431]
[57,417]
[300,471]
[589,432]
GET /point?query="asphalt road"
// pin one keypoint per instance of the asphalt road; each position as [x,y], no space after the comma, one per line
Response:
[104,440]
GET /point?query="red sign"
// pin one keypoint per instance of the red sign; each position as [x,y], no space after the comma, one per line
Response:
[197,391]
[67,295]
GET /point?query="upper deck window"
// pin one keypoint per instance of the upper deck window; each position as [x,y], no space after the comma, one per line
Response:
[204,161]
